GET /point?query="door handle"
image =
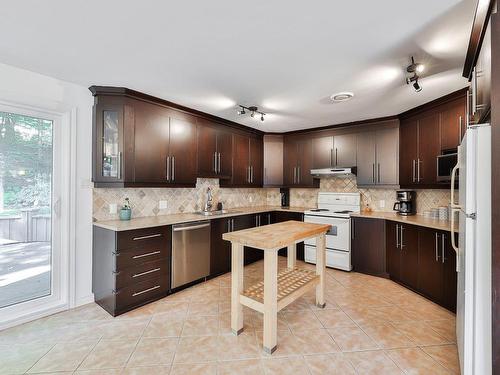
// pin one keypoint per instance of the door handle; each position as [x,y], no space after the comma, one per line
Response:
[119,165]
[331,157]
[413,170]
[418,169]
[397,236]
[436,246]
[218,162]
[373,172]
[215,163]
[168,168]
[146,255]
[251,174]
[401,238]
[294,174]
[443,238]
[459,129]
[145,272]
[146,237]
[173,168]
[336,157]
[379,173]
[145,291]
[298,174]
[191,227]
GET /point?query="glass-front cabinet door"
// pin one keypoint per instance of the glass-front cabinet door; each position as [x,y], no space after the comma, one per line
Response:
[109,147]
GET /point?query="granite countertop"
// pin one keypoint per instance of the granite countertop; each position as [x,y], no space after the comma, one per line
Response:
[414,219]
[155,221]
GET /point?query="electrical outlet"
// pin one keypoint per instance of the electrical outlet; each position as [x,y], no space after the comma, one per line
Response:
[381,203]
[113,209]
[162,205]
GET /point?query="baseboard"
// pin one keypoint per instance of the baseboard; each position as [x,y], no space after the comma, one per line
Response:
[34,316]
[84,300]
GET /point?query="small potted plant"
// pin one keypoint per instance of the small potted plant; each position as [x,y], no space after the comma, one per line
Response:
[126,211]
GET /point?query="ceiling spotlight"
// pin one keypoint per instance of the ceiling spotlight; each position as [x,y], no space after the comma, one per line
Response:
[417,86]
[341,97]
[252,109]
[415,69]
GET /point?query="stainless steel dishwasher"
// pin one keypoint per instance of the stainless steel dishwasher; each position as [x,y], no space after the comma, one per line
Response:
[190,252]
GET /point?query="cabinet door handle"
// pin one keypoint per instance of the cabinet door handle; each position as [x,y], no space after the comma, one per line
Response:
[401,239]
[145,272]
[443,238]
[173,168]
[397,236]
[119,165]
[379,173]
[145,291]
[168,168]
[459,129]
[418,169]
[218,163]
[437,246]
[232,225]
[336,157]
[215,163]
[294,174]
[413,170]
[331,157]
[229,225]
[373,172]
[298,174]
[146,255]
[251,174]
[146,237]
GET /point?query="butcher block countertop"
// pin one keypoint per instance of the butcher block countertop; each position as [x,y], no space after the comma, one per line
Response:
[157,221]
[413,219]
[276,236]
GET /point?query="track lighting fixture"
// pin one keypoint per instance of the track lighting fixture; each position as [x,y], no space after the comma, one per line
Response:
[252,109]
[415,69]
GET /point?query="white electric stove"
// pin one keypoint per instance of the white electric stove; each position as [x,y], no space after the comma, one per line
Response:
[333,209]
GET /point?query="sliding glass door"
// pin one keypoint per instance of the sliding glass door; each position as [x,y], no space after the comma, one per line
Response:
[28,252]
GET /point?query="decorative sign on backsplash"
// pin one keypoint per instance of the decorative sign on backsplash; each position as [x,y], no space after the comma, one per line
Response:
[145,202]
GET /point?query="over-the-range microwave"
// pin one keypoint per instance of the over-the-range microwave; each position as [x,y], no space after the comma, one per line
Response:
[445,164]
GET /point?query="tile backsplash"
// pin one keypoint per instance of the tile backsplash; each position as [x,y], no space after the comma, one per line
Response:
[145,201]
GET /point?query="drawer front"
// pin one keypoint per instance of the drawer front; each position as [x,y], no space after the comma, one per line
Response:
[146,239]
[139,293]
[142,272]
[137,256]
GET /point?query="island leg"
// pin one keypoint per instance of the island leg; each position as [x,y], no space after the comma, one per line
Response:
[270,300]
[320,270]
[292,255]
[236,288]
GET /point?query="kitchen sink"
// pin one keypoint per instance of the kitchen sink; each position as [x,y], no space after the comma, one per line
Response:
[215,213]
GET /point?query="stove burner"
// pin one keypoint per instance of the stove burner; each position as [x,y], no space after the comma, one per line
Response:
[319,210]
[343,212]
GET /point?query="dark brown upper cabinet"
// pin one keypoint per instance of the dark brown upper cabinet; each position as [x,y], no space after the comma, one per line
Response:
[427,132]
[273,160]
[377,157]
[334,151]
[298,162]
[215,151]
[165,146]
[248,162]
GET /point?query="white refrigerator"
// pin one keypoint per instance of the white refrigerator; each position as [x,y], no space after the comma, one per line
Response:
[474,250]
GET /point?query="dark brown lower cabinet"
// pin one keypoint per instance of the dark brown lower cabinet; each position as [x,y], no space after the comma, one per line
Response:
[422,259]
[130,268]
[220,250]
[368,246]
[280,216]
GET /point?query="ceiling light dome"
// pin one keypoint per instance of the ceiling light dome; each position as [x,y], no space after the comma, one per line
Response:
[341,97]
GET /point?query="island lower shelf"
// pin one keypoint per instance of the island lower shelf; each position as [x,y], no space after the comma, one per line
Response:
[292,283]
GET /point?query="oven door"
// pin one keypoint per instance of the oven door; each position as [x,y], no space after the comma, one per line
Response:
[338,237]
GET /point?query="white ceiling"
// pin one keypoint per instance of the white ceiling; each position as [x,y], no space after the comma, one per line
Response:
[286,57]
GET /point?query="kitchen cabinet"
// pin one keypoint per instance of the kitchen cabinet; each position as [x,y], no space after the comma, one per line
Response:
[130,268]
[377,157]
[220,250]
[402,253]
[273,160]
[422,259]
[428,149]
[297,162]
[165,144]
[452,125]
[247,162]
[334,151]
[408,152]
[368,247]
[215,151]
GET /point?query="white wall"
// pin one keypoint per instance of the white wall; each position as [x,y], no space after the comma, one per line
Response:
[22,87]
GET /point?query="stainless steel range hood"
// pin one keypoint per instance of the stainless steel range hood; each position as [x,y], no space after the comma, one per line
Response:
[334,172]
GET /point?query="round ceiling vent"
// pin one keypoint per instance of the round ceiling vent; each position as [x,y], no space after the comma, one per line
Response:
[341,97]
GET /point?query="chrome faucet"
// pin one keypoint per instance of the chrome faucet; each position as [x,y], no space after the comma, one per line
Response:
[208,203]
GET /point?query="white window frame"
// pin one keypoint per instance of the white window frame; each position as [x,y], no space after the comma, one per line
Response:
[63,220]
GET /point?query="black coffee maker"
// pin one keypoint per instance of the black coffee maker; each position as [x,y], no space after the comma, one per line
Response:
[406,202]
[285,197]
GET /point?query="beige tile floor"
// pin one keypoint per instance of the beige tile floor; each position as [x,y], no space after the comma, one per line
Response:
[369,326]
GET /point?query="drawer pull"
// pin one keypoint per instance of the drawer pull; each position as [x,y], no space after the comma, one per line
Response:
[145,291]
[146,255]
[146,272]
[146,237]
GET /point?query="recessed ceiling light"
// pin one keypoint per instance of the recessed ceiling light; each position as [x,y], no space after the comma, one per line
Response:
[341,97]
